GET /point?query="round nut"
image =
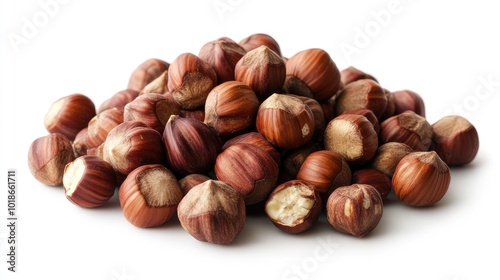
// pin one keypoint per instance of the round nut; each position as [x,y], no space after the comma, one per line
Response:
[47,157]
[353,137]
[285,121]
[149,195]
[355,209]
[89,181]
[421,179]
[70,114]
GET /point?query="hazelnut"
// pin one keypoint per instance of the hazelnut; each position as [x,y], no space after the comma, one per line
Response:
[312,73]
[325,170]
[119,100]
[388,156]
[260,39]
[47,157]
[149,195]
[319,118]
[190,145]
[256,139]
[378,180]
[294,206]
[455,140]
[421,179]
[248,169]
[190,80]
[193,114]
[408,100]
[328,107]
[230,108]
[222,54]
[69,114]
[408,128]
[212,212]
[355,209]
[353,137]
[89,181]
[158,85]
[190,181]
[363,93]
[80,144]
[369,115]
[152,109]
[100,125]
[146,72]
[390,108]
[352,74]
[132,144]
[285,121]
[292,160]
[263,70]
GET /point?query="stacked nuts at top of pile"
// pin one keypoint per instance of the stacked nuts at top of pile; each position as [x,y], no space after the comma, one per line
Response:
[238,128]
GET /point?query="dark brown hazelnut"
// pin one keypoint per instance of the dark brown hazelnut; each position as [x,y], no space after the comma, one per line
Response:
[455,140]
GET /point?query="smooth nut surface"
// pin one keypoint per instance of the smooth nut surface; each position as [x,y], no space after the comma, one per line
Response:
[89,181]
[149,195]
[421,179]
[69,114]
[285,121]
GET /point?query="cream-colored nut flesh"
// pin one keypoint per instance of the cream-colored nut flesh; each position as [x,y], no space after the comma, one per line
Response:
[155,187]
[290,205]
[345,139]
[73,174]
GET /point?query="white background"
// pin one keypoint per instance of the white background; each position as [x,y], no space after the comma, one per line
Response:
[443,51]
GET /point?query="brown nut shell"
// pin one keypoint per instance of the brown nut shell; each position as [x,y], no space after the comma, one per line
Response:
[222,54]
[190,80]
[353,137]
[312,73]
[69,114]
[355,209]
[132,144]
[285,121]
[263,70]
[89,181]
[421,179]
[455,140]
[190,145]
[325,170]
[362,94]
[146,72]
[248,169]
[47,157]
[408,128]
[230,108]
[149,195]
[212,212]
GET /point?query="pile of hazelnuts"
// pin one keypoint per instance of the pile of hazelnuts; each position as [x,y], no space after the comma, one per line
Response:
[240,129]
